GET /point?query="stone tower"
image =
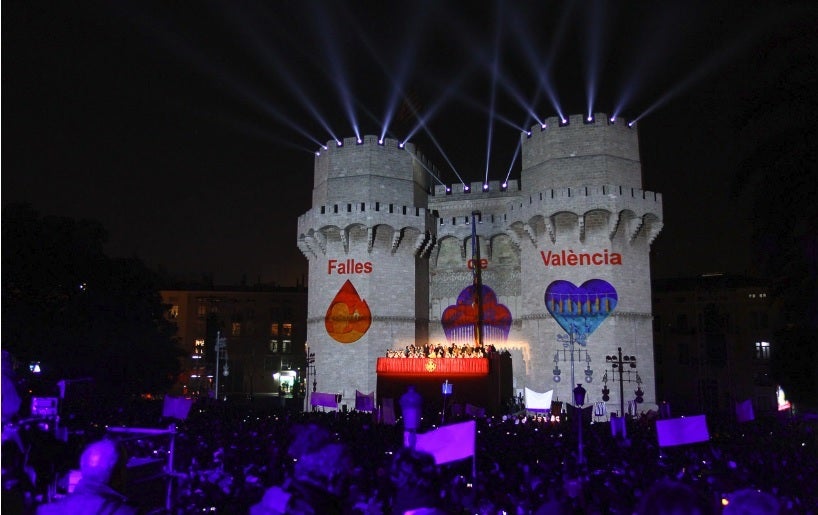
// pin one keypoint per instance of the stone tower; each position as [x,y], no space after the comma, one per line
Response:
[365,238]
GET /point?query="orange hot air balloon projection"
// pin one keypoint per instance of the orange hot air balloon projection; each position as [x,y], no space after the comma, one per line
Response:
[348,317]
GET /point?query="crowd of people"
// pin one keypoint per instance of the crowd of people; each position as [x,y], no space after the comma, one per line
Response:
[431,350]
[239,458]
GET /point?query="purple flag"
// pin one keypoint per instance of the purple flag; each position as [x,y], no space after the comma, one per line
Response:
[680,431]
[744,411]
[475,411]
[327,400]
[364,402]
[176,407]
[449,443]
[618,427]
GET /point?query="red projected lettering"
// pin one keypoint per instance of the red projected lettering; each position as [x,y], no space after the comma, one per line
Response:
[484,263]
[348,266]
[571,258]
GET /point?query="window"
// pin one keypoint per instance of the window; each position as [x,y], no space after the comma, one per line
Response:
[198,349]
[174,312]
[202,310]
[274,330]
[273,345]
[763,350]
[286,330]
[235,329]
[286,346]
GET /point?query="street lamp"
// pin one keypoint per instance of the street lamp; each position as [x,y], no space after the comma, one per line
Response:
[221,346]
[447,391]
[579,400]
[618,363]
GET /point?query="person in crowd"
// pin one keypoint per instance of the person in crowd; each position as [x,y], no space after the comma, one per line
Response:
[415,479]
[103,466]
[320,477]
[668,497]
[751,502]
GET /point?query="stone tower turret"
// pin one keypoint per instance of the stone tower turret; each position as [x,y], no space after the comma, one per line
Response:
[366,239]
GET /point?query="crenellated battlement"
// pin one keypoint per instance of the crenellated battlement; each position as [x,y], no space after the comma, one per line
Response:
[478,189]
[580,152]
[575,121]
[387,149]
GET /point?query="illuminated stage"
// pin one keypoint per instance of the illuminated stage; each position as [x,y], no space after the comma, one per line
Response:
[482,382]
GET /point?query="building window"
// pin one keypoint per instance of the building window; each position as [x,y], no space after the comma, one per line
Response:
[174,312]
[198,349]
[235,329]
[202,310]
[286,330]
[274,332]
[286,346]
[274,346]
[763,350]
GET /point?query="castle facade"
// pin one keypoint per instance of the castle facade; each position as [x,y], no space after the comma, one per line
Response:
[560,258]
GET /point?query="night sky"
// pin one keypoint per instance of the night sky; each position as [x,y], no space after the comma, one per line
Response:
[188,129]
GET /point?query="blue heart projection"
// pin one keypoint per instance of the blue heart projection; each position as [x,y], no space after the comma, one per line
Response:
[579,310]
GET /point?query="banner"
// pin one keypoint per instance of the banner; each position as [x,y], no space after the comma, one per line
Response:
[475,411]
[327,400]
[388,411]
[449,443]
[536,401]
[681,431]
[176,407]
[744,411]
[364,402]
[618,427]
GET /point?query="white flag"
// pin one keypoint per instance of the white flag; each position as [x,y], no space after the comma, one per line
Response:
[538,401]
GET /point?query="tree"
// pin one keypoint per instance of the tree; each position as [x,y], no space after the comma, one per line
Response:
[79,312]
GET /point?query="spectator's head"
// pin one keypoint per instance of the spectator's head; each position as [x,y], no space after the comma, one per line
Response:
[104,462]
[415,478]
[321,461]
[667,497]
[751,502]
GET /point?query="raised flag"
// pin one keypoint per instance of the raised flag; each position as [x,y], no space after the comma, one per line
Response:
[744,411]
[618,427]
[176,407]
[681,431]
[475,411]
[536,401]
[327,400]
[388,411]
[449,443]
[364,402]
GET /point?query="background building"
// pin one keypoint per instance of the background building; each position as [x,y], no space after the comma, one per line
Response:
[264,331]
[713,339]
[563,258]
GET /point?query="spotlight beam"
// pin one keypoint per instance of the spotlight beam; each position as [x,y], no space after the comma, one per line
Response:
[543,72]
[513,159]
[338,74]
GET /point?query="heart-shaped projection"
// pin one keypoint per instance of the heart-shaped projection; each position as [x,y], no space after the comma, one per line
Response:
[580,309]
[348,317]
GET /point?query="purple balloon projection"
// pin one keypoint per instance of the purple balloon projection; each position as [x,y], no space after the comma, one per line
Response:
[579,310]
